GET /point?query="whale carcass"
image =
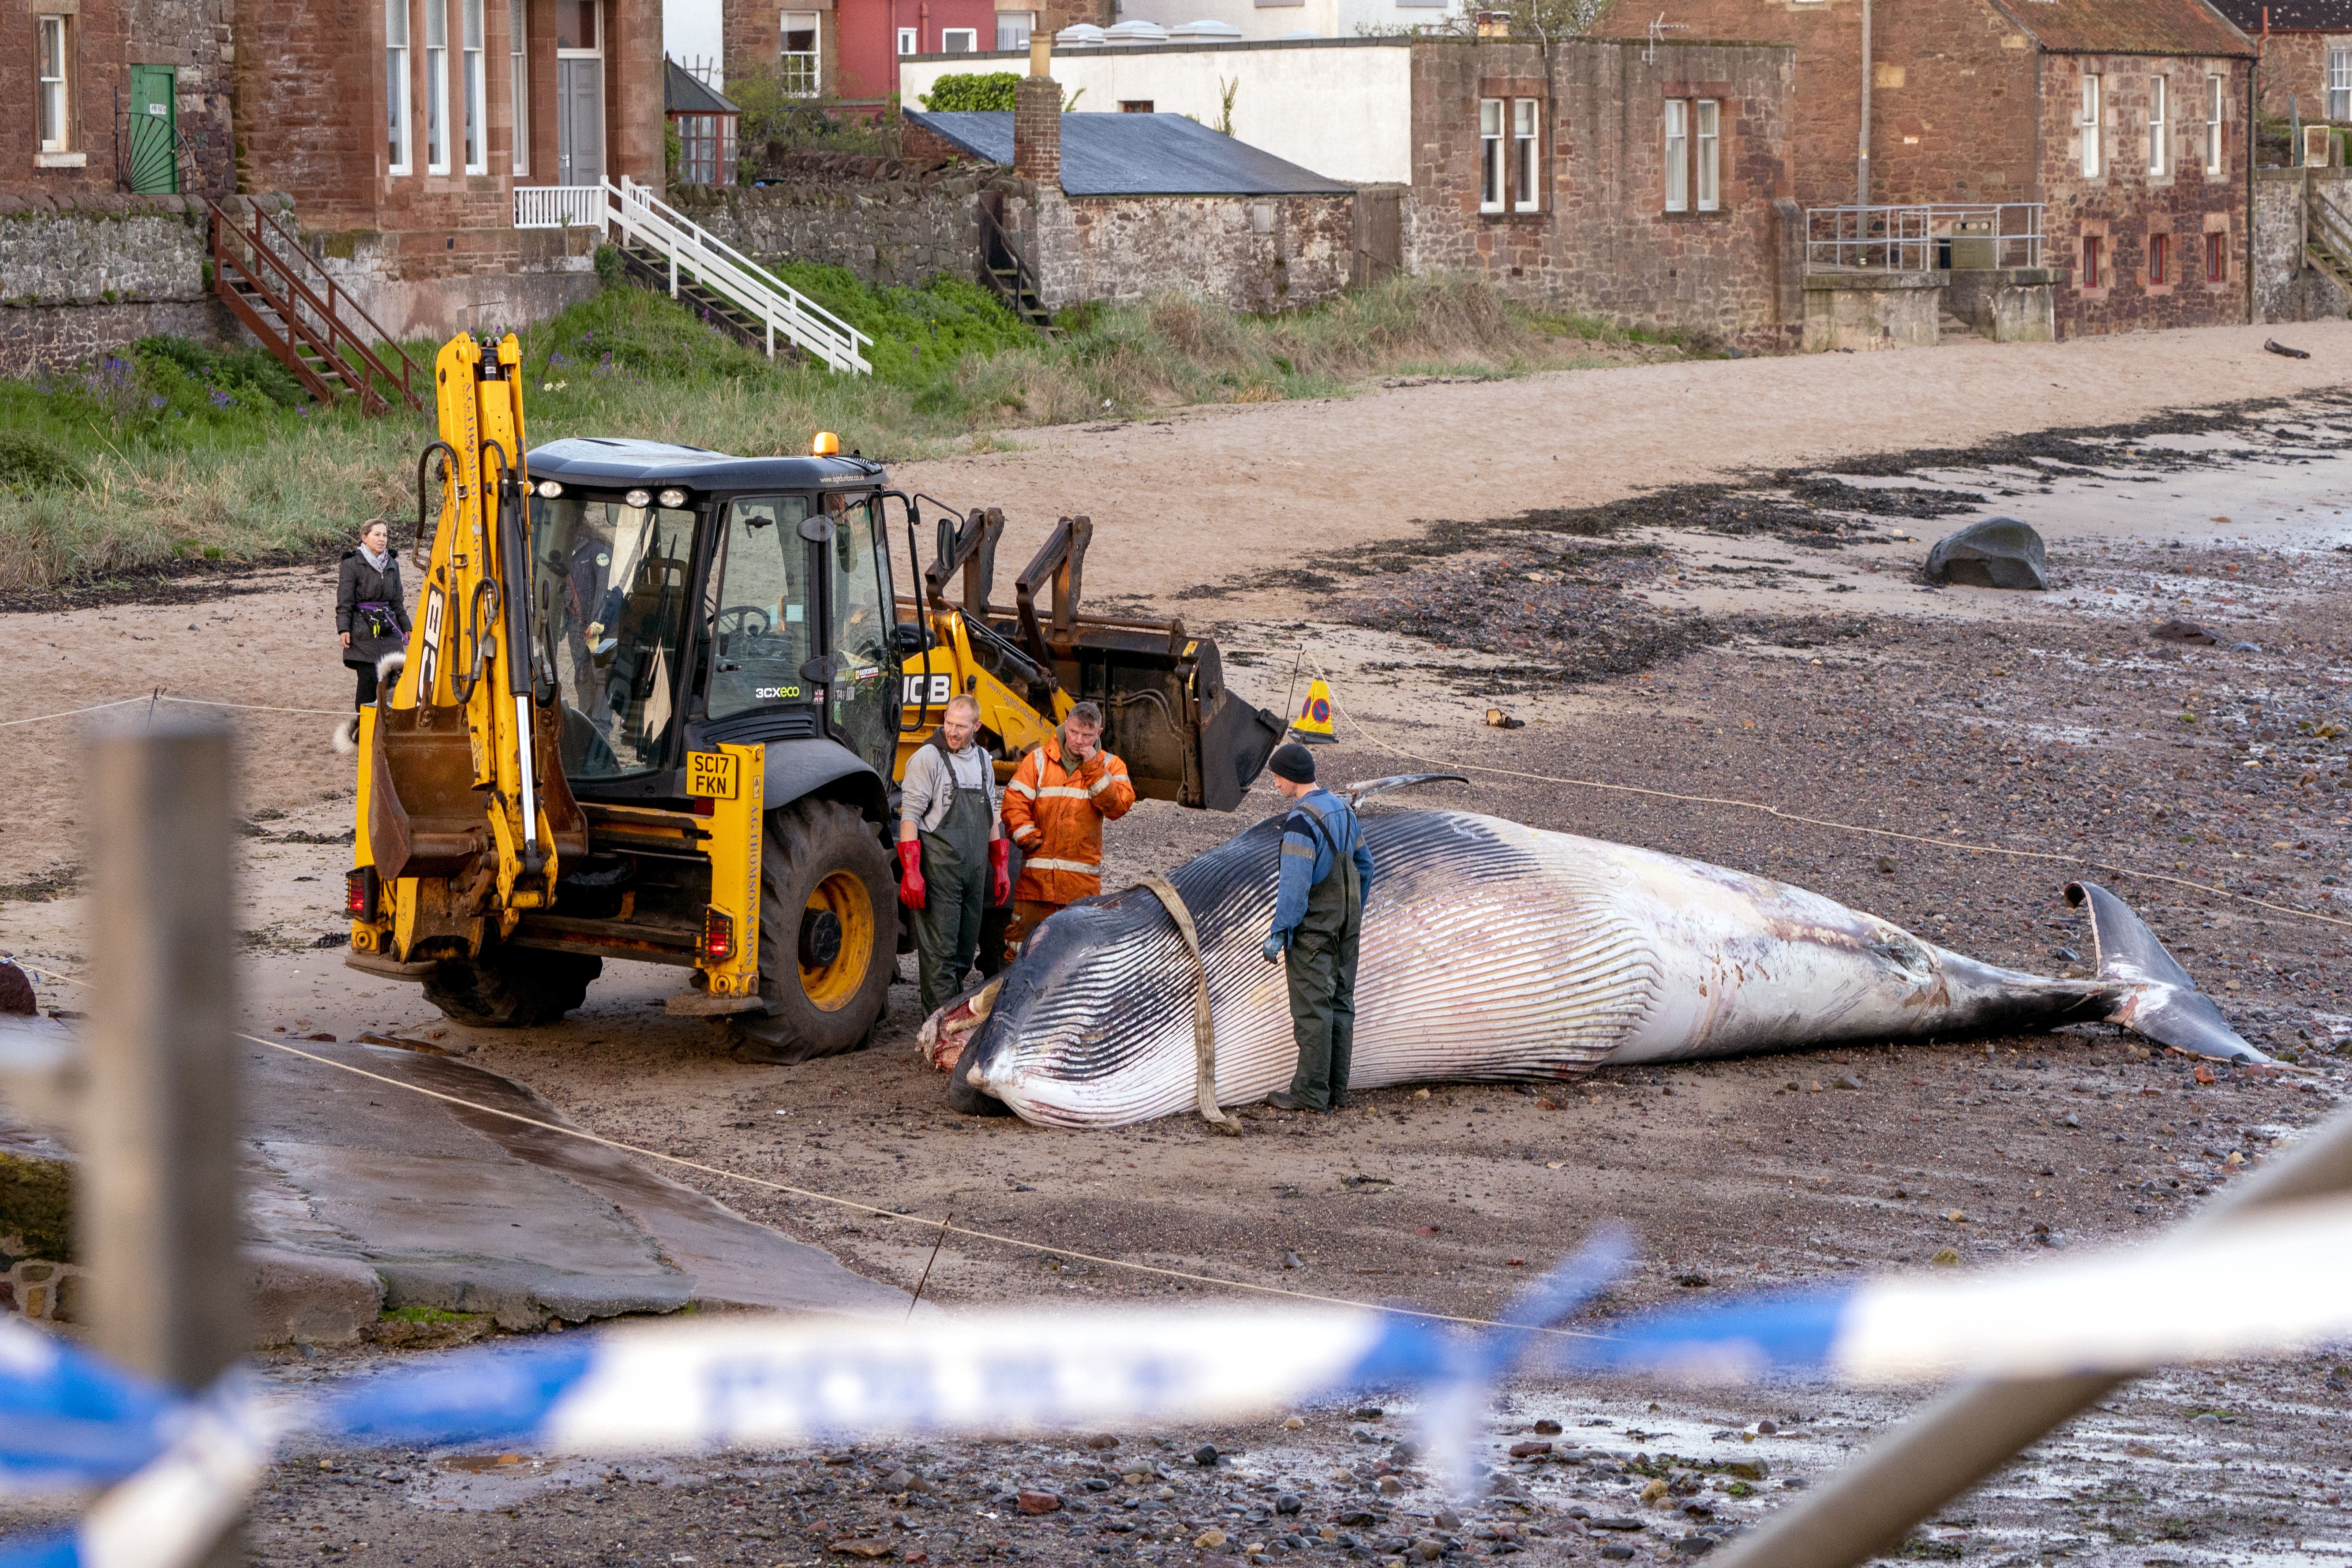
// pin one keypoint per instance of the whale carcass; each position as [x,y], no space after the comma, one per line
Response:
[1492,950]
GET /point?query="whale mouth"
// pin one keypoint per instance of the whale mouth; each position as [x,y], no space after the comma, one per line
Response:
[945,1033]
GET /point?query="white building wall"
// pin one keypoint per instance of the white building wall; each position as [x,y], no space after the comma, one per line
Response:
[694,33]
[1342,107]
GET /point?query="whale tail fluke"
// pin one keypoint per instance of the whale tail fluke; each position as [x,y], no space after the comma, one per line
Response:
[2158,1000]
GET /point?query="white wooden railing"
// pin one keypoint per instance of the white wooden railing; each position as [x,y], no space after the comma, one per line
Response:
[559,206]
[634,216]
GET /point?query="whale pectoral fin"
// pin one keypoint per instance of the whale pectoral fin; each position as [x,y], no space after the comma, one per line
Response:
[2157,999]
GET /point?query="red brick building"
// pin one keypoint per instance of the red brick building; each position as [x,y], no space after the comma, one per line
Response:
[2127,120]
[2306,48]
[847,51]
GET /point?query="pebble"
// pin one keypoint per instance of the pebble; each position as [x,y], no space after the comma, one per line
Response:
[1031,1501]
[1205,1455]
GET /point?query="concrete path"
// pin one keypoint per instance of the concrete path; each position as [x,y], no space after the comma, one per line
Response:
[466,1211]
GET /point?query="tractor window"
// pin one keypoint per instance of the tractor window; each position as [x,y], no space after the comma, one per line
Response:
[863,693]
[761,636]
[609,585]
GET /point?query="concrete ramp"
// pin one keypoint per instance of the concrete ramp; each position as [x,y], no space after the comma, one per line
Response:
[466,1211]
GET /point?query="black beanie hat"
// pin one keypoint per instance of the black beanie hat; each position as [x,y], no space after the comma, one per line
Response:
[1293,762]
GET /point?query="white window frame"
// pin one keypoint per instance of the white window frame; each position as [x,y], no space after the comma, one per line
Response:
[803,69]
[1014,29]
[400,111]
[1678,133]
[948,36]
[473,88]
[911,41]
[53,66]
[2213,92]
[1526,155]
[1706,133]
[2160,160]
[519,81]
[1490,154]
[2089,125]
[2339,84]
[437,87]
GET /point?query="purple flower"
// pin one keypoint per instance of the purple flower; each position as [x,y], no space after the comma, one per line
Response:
[222,399]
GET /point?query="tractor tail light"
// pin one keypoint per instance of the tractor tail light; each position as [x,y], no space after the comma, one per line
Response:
[718,934]
[359,886]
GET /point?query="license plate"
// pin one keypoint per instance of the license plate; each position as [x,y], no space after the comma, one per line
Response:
[712,775]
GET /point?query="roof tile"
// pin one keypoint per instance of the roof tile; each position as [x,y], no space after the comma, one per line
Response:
[2128,27]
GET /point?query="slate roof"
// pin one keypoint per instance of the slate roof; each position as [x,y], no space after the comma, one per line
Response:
[683,93]
[1106,154]
[2289,15]
[2128,27]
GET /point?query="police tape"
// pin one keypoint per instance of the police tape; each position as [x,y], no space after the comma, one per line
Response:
[2273,1284]
[2279,1283]
[69,1419]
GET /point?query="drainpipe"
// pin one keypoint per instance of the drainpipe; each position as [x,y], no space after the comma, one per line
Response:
[2253,301]
[1862,156]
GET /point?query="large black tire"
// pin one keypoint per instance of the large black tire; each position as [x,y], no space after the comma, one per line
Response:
[828,934]
[512,987]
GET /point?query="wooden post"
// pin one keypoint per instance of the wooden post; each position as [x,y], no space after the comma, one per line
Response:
[1965,1435]
[157,1202]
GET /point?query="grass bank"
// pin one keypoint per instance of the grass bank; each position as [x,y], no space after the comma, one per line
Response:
[172,451]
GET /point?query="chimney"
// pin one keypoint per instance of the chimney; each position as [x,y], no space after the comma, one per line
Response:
[1037,118]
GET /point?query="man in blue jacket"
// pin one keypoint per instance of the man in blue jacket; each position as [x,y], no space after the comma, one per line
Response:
[1319,910]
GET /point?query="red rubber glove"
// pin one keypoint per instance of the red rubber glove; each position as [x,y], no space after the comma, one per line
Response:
[999,871]
[910,868]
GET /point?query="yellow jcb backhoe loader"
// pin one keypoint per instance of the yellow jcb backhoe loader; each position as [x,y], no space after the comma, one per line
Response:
[658,701]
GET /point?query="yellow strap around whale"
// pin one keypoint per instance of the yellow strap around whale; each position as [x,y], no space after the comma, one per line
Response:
[1204,1032]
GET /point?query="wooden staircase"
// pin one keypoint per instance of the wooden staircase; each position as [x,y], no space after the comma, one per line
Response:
[647,264]
[301,315]
[1003,269]
[2328,240]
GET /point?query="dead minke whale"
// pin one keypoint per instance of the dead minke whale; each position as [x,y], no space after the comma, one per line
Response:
[1494,952]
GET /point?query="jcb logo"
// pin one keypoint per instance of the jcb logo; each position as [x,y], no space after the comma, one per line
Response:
[942,687]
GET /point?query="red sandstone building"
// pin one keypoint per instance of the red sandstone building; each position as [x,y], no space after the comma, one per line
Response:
[2306,54]
[2118,130]
[403,128]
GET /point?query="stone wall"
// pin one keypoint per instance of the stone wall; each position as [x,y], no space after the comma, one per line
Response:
[2288,287]
[1601,242]
[2124,204]
[1258,254]
[79,278]
[900,231]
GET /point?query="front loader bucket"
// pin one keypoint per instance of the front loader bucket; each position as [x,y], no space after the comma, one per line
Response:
[1168,714]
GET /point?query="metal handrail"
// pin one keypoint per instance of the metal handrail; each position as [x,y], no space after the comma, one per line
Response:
[1914,236]
[328,310]
[714,261]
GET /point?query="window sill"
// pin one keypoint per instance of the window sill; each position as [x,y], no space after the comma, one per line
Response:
[60,160]
[1715,217]
[1537,215]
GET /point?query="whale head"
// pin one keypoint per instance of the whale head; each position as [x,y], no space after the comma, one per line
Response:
[1080,1026]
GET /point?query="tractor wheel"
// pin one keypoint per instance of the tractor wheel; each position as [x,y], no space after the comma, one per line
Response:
[512,987]
[828,925]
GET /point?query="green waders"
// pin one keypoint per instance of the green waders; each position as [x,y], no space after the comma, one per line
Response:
[1321,965]
[955,884]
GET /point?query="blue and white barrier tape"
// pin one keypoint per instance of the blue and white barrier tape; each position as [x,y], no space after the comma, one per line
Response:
[2275,1283]
[69,1419]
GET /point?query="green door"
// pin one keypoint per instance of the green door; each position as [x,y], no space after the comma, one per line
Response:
[154,131]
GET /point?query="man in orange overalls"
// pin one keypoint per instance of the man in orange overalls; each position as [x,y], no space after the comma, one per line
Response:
[1061,795]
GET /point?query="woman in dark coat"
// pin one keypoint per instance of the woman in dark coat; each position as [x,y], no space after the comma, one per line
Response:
[370,610]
